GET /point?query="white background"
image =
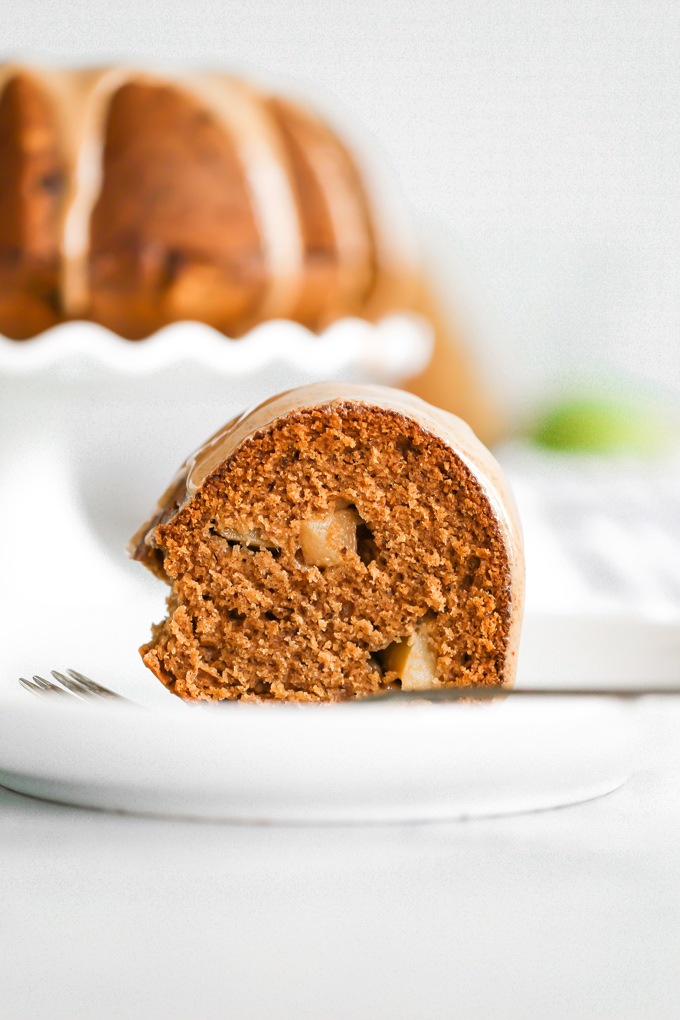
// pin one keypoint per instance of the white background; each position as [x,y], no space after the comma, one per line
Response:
[539,140]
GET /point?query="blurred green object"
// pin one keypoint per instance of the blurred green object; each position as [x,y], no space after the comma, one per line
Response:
[603,424]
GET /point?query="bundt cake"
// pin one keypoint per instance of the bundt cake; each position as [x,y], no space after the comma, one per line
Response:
[338,541]
[134,199]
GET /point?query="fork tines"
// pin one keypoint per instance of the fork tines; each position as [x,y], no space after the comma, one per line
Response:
[71,683]
[41,687]
[91,685]
[80,685]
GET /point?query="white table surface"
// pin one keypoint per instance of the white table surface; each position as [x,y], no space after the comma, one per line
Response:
[566,913]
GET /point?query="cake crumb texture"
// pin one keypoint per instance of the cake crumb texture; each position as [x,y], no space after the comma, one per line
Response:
[249,617]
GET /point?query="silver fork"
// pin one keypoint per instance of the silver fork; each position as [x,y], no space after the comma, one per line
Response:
[72,683]
[82,687]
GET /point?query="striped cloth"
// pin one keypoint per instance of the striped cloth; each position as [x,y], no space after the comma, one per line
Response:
[602,534]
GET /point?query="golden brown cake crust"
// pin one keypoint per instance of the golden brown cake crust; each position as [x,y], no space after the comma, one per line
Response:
[251,618]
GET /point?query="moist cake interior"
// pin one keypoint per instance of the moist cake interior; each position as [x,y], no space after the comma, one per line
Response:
[256,613]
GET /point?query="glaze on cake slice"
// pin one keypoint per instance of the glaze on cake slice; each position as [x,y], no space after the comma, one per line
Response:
[335,542]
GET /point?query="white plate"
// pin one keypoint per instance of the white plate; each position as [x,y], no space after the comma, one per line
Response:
[341,763]
[356,762]
[89,437]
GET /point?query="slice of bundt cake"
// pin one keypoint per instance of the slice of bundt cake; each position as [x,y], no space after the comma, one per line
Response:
[335,542]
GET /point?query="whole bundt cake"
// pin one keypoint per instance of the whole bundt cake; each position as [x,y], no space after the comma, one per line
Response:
[135,199]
